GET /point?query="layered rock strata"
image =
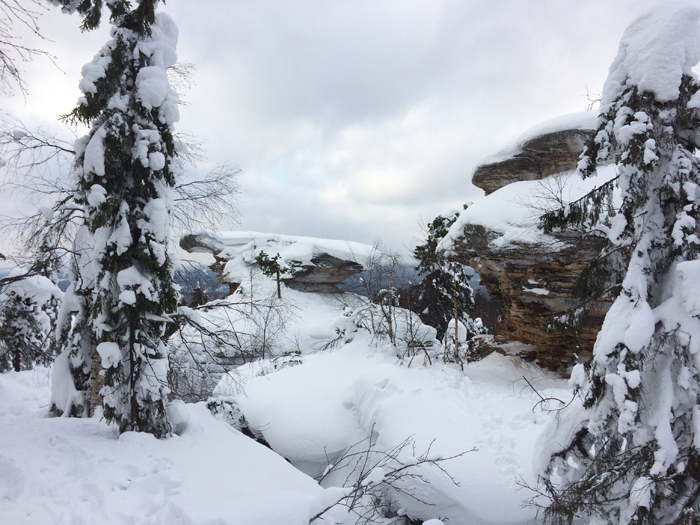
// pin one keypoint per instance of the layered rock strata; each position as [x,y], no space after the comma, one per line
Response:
[320,265]
[539,157]
[533,277]
[534,286]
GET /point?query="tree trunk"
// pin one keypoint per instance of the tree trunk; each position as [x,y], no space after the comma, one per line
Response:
[16,360]
[456,315]
[134,416]
[279,290]
[95,380]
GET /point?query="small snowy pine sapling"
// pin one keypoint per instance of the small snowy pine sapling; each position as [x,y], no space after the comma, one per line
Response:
[274,267]
[445,292]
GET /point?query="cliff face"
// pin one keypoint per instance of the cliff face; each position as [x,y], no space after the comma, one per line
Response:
[534,285]
[530,273]
[540,157]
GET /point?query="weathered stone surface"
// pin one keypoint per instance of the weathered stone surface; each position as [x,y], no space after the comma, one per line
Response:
[482,345]
[317,273]
[540,157]
[534,285]
[324,276]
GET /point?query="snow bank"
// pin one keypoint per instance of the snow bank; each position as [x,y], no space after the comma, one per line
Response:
[311,413]
[59,470]
[512,213]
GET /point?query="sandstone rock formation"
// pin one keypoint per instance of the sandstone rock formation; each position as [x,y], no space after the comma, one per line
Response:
[540,157]
[320,264]
[534,285]
[530,273]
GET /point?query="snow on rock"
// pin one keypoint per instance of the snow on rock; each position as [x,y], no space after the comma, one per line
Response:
[321,263]
[584,120]
[231,245]
[656,50]
[66,470]
[511,214]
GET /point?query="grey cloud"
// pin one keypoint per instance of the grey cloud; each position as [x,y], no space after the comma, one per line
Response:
[353,118]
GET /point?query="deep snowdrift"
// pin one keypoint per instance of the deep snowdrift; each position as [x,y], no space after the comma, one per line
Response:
[79,471]
[64,470]
[311,413]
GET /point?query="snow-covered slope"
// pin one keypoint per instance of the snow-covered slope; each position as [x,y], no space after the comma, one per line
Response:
[313,412]
[61,470]
[79,471]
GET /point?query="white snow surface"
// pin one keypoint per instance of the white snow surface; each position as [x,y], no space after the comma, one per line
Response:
[75,471]
[655,51]
[65,470]
[314,411]
[333,400]
[512,212]
[582,120]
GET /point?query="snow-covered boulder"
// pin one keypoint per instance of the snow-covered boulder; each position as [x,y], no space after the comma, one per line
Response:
[320,265]
[548,148]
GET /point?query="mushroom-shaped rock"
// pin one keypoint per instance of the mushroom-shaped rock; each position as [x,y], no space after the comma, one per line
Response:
[548,148]
[317,265]
[531,273]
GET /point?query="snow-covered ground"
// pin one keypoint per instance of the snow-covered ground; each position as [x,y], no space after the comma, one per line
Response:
[335,399]
[80,471]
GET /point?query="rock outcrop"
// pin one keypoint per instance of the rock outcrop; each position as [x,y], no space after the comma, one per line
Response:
[534,286]
[540,157]
[530,273]
[320,265]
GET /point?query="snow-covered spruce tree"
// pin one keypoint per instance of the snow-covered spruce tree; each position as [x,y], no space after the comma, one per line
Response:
[632,454]
[27,320]
[444,291]
[125,180]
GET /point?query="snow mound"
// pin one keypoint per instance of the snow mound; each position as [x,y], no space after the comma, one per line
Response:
[512,213]
[65,470]
[656,50]
[313,412]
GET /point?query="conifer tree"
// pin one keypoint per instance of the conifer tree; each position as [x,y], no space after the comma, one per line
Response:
[444,291]
[275,267]
[632,453]
[27,321]
[125,177]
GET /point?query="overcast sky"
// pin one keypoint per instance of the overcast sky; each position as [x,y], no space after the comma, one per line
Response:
[357,119]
